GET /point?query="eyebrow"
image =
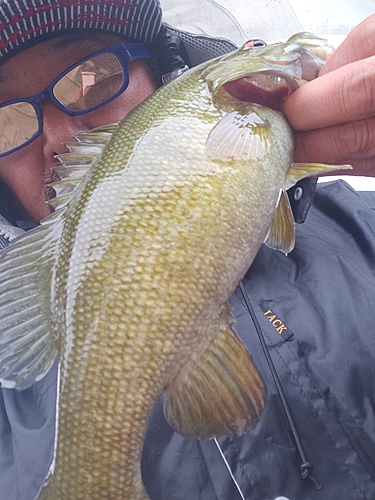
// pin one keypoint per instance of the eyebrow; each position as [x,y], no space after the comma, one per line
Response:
[81,40]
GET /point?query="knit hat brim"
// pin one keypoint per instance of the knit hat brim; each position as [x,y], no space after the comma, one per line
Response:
[24,23]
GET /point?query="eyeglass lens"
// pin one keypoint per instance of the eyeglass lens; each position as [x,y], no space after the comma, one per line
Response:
[18,124]
[85,87]
[90,83]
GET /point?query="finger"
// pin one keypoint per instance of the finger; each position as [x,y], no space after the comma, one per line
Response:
[351,143]
[359,44]
[344,95]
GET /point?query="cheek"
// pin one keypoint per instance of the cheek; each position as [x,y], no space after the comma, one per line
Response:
[24,173]
[141,82]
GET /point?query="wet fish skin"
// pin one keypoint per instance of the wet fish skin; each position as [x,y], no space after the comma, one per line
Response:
[128,280]
[175,282]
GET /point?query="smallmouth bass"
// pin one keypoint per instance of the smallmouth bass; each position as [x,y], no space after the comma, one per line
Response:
[156,222]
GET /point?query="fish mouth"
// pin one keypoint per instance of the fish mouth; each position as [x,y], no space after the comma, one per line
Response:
[266,89]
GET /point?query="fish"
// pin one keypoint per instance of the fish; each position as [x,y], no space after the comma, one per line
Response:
[156,220]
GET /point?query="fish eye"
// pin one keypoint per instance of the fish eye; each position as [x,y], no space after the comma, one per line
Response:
[255,43]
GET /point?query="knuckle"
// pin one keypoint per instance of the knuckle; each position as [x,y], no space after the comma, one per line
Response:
[358,89]
[366,84]
[365,37]
[352,140]
[355,139]
[303,150]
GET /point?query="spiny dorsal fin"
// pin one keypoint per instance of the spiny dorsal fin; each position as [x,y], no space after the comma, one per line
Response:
[99,135]
[74,172]
[218,392]
[91,148]
[82,155]
[282,234]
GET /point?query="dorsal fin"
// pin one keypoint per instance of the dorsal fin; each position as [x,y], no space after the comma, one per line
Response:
[28,344]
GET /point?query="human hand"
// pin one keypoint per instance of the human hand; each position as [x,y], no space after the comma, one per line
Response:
[334,115]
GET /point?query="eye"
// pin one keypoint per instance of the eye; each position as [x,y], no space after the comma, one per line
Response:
[255,43]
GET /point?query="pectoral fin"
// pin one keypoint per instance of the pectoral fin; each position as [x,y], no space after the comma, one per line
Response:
[299,171]
[239,137]
[282,234]
[218,392]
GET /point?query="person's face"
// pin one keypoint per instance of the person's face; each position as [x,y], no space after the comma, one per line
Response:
[28,171]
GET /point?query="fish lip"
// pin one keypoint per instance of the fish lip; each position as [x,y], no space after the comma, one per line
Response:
[265,88]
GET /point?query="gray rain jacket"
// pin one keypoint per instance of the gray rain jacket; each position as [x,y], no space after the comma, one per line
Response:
[315,308]
[316,311]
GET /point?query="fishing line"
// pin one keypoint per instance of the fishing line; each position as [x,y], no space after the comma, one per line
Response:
[306,467]
[229,470]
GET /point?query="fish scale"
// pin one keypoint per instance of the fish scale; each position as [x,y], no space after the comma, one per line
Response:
[128,280]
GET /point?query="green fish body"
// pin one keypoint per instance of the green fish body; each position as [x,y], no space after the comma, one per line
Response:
[156,222]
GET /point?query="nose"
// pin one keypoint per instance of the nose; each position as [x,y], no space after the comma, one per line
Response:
[58,127]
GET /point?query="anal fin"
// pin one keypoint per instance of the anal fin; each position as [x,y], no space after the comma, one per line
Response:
[221,391]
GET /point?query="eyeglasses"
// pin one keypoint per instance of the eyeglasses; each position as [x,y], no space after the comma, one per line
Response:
[85,86]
